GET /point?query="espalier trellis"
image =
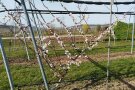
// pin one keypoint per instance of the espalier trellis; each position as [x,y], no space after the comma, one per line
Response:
[41,46]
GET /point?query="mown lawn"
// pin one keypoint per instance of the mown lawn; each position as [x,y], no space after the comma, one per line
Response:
[30,74]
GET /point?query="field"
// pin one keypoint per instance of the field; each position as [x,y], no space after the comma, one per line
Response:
[88,73]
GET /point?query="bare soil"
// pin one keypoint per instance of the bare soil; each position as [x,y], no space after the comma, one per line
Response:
[64,59]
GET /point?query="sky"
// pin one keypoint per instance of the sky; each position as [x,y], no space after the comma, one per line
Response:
[93,19]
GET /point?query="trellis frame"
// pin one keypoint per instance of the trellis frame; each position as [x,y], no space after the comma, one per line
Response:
[35,46]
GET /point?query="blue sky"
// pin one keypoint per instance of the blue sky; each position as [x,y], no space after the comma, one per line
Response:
[93,19]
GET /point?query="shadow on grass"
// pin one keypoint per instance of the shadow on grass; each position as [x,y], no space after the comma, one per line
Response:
[114,74]
[94,76]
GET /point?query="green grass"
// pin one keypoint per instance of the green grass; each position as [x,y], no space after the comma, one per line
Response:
[97,70]
[23,75]
[30,74]
[19,50]
[119,46]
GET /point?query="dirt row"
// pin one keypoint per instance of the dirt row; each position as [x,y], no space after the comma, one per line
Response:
[80,59]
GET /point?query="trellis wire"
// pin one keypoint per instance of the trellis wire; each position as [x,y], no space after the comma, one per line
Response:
[109,30]
[80,31]
[91,2]
[26,48]
[82,50]
[34,20]
[45,53]
[48,60]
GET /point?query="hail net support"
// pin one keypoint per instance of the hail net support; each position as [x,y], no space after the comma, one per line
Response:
[74,42]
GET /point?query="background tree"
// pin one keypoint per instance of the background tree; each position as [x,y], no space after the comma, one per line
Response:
[85,28]
[98,28]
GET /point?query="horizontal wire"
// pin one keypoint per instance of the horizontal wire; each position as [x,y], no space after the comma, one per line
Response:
[91,2]
[63,12]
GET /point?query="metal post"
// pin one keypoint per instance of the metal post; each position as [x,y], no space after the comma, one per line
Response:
[14,36]
[6,65]
[133,30]
[109,46]
[35,45]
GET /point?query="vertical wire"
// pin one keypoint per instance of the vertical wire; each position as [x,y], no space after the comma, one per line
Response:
[132,44]
[34,20]
[25,43]
[128,27]
[14,32]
